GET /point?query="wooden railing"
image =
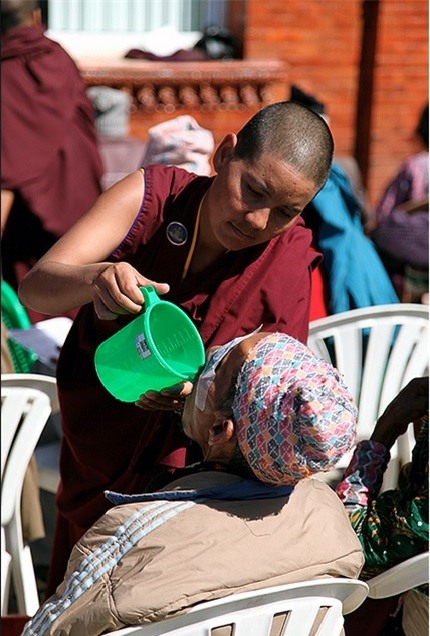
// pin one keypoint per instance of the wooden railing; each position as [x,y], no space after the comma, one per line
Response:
[221,95]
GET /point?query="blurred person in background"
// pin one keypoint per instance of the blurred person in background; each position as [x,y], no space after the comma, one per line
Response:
[351,273]
[392,525]
[401,227]
[50,163]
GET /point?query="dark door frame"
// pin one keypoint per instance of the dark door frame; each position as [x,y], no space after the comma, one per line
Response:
[363,116]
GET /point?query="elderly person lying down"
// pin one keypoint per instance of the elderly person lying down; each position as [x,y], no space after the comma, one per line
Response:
[267,414]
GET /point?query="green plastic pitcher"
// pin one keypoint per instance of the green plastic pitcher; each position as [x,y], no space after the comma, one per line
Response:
[155,351]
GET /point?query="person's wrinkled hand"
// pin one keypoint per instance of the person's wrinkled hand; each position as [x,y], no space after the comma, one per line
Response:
[171,399]
[408,406]
[115,291]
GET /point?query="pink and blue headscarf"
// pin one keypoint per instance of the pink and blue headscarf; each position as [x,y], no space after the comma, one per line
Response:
[294,415]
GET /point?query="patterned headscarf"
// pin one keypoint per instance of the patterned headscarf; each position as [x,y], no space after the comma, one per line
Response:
[294,415]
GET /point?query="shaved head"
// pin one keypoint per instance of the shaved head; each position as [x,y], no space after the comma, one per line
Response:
[16,13]
[292,133]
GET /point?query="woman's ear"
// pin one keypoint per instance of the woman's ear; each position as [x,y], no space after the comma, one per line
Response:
[225,150]
[220,434]
[37,17]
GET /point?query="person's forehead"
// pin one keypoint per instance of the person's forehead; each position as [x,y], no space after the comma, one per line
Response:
[230,365]
[278,178]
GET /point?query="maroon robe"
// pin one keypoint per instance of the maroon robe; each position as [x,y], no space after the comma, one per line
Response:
[49,151]
[113,445]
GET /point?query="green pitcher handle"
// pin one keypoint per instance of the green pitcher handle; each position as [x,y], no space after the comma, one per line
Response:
[150,296]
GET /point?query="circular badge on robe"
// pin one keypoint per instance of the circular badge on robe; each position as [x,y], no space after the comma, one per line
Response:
[177,233]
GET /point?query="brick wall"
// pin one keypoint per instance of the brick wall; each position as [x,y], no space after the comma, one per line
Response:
[401,84]
[321,41]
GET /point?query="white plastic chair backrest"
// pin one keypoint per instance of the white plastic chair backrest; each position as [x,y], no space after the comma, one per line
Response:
[24,413]
[252,613]
[378,350]
[45,383]
[47,455]
[400,578]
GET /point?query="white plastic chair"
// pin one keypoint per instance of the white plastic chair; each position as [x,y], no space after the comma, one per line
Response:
[45,383]
[401,578]
[253,613]
[24,413]
[47,455]
[378,350]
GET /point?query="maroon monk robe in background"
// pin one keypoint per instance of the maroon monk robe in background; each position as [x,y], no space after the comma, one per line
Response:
[49,151]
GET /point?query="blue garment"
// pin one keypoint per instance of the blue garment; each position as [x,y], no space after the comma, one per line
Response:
[243,490]
[356,276]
